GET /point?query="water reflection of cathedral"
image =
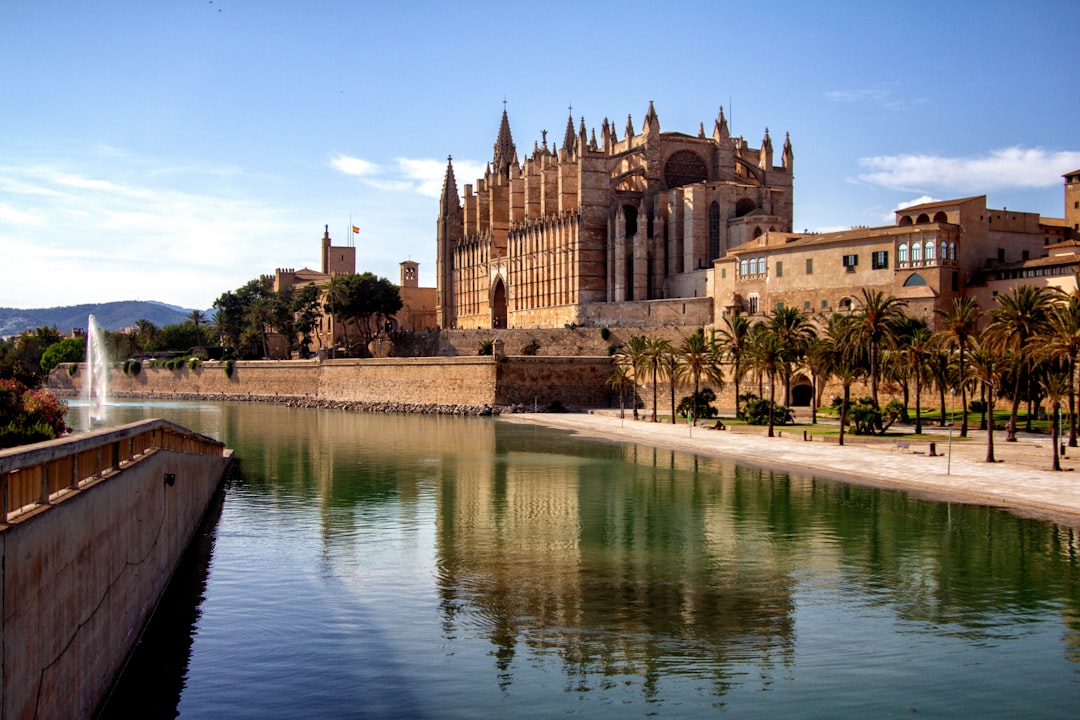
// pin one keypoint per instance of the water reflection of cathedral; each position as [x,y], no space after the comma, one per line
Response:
[613,574]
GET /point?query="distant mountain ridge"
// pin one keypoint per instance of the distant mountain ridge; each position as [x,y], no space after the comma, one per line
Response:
[111,316]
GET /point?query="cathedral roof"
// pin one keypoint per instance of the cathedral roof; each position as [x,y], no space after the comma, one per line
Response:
[449,191]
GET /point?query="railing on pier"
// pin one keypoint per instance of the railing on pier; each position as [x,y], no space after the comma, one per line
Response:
[35,475]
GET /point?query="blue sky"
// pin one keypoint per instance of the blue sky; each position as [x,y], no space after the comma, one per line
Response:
[174,150]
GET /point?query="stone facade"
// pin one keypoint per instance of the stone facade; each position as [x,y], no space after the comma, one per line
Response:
[547,241]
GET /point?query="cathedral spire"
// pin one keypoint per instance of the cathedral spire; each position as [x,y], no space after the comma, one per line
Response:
[450,199]
[629,127]
[766,156]
[720,130]
[569,135]
[505,151]
[787,156]
[652,121]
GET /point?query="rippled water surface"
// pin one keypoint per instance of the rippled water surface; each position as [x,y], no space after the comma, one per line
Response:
[373,566]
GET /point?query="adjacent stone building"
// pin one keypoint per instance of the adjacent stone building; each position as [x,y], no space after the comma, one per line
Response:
[604,231]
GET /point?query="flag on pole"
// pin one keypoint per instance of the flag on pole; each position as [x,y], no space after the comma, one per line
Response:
[356,230]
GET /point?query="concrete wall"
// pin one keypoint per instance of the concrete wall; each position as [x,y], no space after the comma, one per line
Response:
[82,575]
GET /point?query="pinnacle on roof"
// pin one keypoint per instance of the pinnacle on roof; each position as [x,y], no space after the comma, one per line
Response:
[505,152]
[629,127]
[568,137]
[720,130]
[652,121]
[449,191]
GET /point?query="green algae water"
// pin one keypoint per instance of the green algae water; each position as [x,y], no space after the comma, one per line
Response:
[385,566]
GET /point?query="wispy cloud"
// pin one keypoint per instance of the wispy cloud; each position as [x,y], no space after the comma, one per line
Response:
[421,175]
[881,95]
[1015,168]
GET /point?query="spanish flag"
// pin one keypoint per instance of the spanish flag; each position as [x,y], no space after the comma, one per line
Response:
[356,230]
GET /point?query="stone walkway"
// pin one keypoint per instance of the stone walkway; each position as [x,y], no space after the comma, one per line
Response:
[1021,479]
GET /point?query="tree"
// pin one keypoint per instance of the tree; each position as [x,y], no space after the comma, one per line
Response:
[20,356]
[656,351]
[1020,316]
[28,415]
[1061,341]
[792,329]
[878,317]
[620,379]
[146,335]
[339,304]
[733,341]
[699,357]
[986,368]
[306,309]
[632,357]
[1055,384]
[847,359]
[67,350]
[961,324]
[917,349]
[770,356]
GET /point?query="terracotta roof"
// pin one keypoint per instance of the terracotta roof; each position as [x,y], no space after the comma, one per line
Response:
[1049,261]
[782,240]
[941,203]
[1053,222]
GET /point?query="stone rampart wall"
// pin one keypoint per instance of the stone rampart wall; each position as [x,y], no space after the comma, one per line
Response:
[81,577]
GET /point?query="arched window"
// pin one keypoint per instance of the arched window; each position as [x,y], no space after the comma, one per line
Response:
[753,266]
[757,232]
[922,219]
[761,265]
[952,251]
[941,217]
[714,231]
[944,251]
[743,267]
[901,255]
[916,253]
[915,280]
[906,220]
[752,303]
[929,252]
[744,206]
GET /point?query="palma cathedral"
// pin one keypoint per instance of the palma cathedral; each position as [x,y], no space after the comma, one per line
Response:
[604,231]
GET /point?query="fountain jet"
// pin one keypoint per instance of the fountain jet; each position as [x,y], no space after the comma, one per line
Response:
[97,364]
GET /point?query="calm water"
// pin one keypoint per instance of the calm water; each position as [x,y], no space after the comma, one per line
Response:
[372,566]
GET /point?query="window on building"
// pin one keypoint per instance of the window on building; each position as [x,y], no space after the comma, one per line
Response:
[845,303]
[1001,255]
[753,266]
[743,267]
[806,305]
[723,273]
[952,251]
[809,266]
[761,265]
[714,231]
[1025,255]
[752,304]
[916,253]
[850,261]
[929,252]
[779,305]
[901,255]
[879,260]
[824,304]
[956,281]
[779,268]
[944,251]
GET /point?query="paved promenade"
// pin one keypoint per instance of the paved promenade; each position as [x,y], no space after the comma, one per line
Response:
[1022,479]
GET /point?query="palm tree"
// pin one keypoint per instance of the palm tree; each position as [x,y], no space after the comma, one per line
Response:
[770,356]
[917,351]
[656,350]
[987,370]
[632,357]
[145,334]
[259,316]
[620,379]
[961,324]
[734,341]
[1055,384]
[846,361]
[818,361]
[699,357]
[670,370]
[1062,341]
[793,330]
[878,318]
[1020,316]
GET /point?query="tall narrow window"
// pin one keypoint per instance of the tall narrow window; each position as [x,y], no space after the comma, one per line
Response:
[809,266]
[901,255]
[929,252]
[916,253]
[779,268]
[714,231]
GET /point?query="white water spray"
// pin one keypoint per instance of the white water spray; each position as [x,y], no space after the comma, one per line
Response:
[96,387]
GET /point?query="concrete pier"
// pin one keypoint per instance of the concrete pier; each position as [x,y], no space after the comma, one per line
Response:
[91,530]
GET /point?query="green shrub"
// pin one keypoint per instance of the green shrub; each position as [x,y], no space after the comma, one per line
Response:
[702,402]
[71,369]
[757,413]
[229,367]
[486,347]
[604,333]
[193,362]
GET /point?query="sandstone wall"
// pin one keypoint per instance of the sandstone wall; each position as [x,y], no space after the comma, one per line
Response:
[81,577]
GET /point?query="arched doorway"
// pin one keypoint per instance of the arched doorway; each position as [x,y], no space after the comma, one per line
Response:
[801,394]
[498,305]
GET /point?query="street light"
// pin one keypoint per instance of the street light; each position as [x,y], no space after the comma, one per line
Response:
[952,419]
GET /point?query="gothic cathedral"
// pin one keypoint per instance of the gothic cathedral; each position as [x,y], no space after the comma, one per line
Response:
[615,232]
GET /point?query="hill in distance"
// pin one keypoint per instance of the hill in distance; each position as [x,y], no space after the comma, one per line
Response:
[111,316]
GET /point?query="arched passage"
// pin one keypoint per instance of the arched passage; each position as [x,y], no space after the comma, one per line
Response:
[498,305]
